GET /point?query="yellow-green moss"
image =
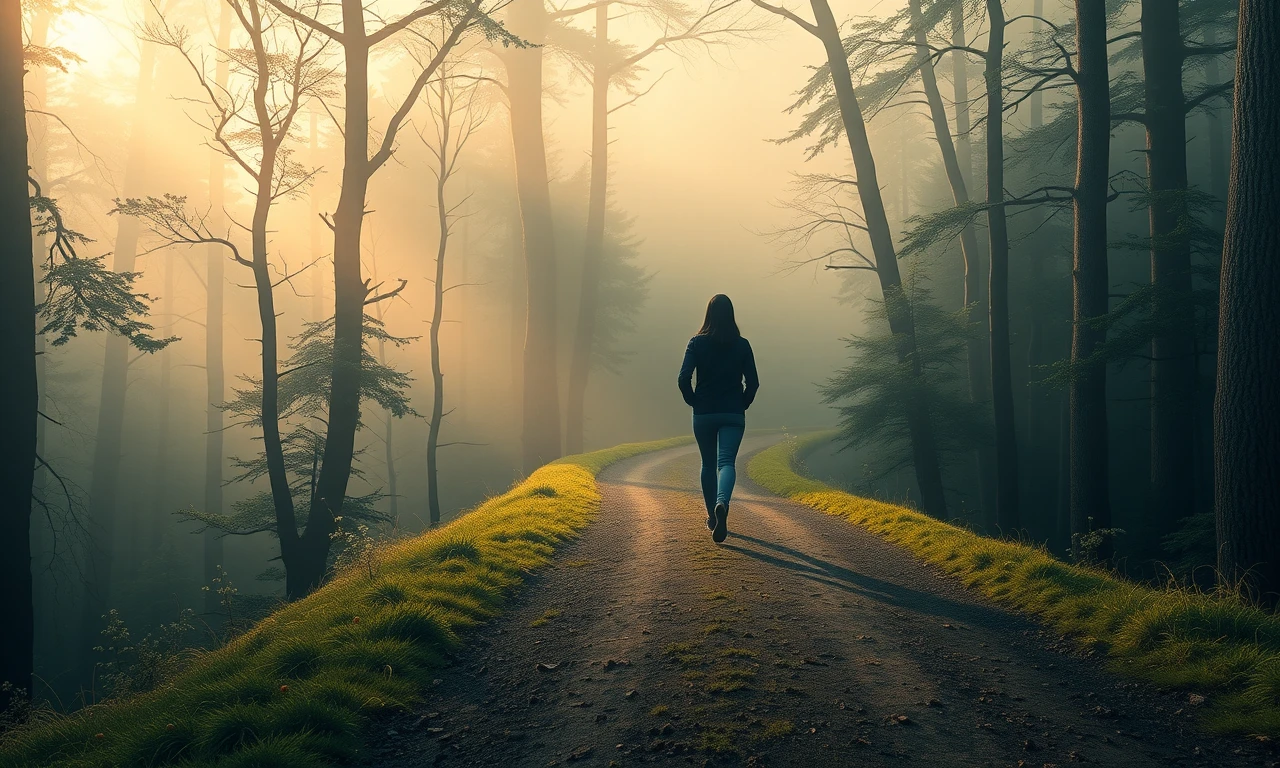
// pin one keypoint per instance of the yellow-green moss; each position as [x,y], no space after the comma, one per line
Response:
[1213,645]
[297,689]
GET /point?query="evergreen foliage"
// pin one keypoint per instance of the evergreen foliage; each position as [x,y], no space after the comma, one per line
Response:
[875,391]
[82,293]
[303,400]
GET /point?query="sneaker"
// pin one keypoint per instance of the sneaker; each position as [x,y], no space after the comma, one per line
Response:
[722,517]
[711,521]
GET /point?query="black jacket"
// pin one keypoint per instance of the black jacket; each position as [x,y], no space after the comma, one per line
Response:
[722,368]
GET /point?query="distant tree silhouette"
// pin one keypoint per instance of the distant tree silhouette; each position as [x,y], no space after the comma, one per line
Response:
[837,77]
[455,116]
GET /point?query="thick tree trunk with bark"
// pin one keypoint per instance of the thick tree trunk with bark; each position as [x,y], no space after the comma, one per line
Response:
[1090,500]
[1040,476]
[593,248]
[107,449]
[19,396]
[306,565]
[924,446]
[1246,434]
[1173,364]
[540,432]
[1007,519]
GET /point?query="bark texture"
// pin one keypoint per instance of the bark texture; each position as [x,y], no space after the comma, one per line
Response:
[1090,501]
[1173,364]
[1246,430]
[1006,443]
[19,395]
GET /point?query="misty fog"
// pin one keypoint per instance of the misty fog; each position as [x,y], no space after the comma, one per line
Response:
[706,194]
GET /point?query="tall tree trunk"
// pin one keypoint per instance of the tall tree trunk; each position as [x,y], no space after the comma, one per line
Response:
[1007,519]
[215,374]
[964,123]
[309,558]
[924,447]
[272,444]
[593,249]
[19,396]
[1173,371]
[979,367]
[957,179]
[1246,429]
[437,319]
[306,563]
[540,433]
[108,439]
[1039,479]
[1090,501]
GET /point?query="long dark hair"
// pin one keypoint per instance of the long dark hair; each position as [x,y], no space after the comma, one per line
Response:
[719,323]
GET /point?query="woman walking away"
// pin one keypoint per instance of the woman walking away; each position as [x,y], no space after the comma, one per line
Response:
[727,383]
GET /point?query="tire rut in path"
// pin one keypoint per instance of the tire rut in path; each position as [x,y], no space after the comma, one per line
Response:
[802,640]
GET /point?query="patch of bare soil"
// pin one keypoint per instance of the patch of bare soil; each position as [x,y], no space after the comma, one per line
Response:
[800,641]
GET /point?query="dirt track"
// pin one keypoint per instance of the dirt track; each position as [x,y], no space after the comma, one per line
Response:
[801,641]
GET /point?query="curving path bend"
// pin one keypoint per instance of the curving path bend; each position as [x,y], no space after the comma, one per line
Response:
[800,641]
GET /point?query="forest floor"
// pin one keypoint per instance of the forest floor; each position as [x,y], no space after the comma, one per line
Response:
[801,640]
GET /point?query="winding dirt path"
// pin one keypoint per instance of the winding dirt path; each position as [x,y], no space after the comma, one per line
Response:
[800,641]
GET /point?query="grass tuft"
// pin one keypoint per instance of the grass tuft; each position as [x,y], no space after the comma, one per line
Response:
[297,690]
[1217,645]
[545,618]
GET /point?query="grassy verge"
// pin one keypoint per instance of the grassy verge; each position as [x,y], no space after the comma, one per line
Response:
[295,691]
[1215,646]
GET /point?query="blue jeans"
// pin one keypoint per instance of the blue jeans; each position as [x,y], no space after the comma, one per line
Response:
[718,436]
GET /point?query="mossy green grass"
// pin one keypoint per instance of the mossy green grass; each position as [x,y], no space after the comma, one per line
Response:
[297,690]
[1215,645]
